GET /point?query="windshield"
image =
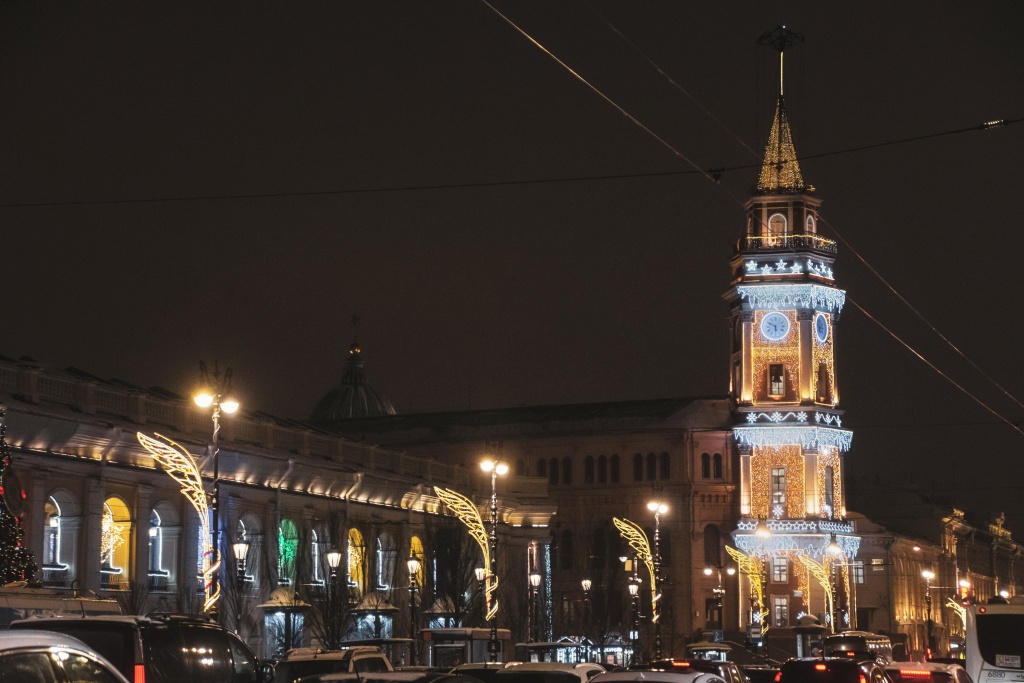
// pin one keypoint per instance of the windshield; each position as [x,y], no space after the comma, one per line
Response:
[1001,639]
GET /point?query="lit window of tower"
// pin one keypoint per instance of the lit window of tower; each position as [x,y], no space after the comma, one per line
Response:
[785,308]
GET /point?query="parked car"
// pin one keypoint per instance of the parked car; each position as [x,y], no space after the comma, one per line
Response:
[159,649]
[547,672]
[308,661]
[759,673]
[830,670]
[927,672]
[28,656]
[482,671]
[729,671]
[655,676]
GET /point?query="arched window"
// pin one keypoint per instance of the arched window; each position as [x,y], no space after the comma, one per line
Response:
[566,549]
[542,467]
[356,560]
[718,466]
[652,466]
[809,225]
[588,469]
[287,548]
[115,544]
[602,469]
[638,467]
[566,470]
[705,466]
[249,530]
[712,546]
[52,536]
[664,467]
[316,554]
[830,488]
[416,551]
[615,468]
[386,553]
[776,229]
[157,573]
[553,472]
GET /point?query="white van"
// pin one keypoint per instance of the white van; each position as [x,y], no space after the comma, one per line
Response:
[21,602]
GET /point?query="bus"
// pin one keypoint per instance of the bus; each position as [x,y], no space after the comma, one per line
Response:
[858,644]
[995,641]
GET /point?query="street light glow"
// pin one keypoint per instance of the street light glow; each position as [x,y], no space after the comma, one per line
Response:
[333,559]
[708,571]
[658,507]
[586,583]
[761,530]
[928,574]
[229,405]
[494,467]
[203,399]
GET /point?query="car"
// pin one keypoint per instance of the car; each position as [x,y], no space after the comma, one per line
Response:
[830,670]
[159,648]
[547,672]
[760,673]
[482,671]
[656,676]
[30,656]
[926,672]
[308,661]
[729,671]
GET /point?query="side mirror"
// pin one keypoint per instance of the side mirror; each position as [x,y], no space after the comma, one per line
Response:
[267,671]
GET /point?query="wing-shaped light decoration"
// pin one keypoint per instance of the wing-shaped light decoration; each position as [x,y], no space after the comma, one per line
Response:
[751,566]
[821,574]
[637,540]
[468,514]
[957,609]
[182,467]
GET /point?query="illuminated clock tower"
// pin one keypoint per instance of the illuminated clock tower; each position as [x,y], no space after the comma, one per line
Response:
[795,547]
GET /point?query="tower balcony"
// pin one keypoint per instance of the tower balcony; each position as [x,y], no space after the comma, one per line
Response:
[785,243]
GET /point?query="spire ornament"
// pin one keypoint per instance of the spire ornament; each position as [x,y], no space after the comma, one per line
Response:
[780,171]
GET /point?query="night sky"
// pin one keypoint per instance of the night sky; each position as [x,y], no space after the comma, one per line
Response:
[234,180]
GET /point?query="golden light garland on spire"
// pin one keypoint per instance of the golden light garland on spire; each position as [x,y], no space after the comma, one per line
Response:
[752,567]
[181,466]
[468,514]
[637,540]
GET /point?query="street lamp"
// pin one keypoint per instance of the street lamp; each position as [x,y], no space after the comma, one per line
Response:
[719,590]
[414,569]
[928,575]
[658,508]
[634,631]
[534,630]
[240,548]
[495,469]
[334,559]
[215,394]
[761,530]
[586,584]
[481,577]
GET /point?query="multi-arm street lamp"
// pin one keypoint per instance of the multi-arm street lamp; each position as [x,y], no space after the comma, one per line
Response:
[719,590]
[495,469]
[413,564]
[216,393]
[534,630]
[658,508]
[928,575]
[241,549]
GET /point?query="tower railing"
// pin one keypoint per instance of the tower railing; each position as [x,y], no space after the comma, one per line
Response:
[785,243]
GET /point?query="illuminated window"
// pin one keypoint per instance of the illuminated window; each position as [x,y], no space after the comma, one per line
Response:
[705,465]
[776,229]
[780,611]
[356,559]
[316,552]
[824,390]
[416,550]
[717,462]
[809,225]
[115,544]
[857,571]
[386,553]
[776,379]
[157,574]
[51,535]
[287,547]
[830,487]
[614,468]
[780,570]
[778,486]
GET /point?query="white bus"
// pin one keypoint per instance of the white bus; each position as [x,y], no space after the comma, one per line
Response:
[995,642]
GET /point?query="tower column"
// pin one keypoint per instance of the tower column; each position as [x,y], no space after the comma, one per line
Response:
[812,496]
[745,484]
[745,391]
[806,318]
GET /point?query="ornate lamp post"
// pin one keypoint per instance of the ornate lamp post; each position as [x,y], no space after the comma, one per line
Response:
[495,469]
[215,394]
[413,565]
[534,630]
[241,550]
[586,585]
[658,508]
[928,575]
[334,559]
[719,590]
[481,578]
[634,629]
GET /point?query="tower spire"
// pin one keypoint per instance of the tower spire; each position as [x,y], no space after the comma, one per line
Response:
[780,170]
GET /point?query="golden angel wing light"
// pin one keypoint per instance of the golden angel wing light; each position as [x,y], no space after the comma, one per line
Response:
[954,605]
[637,540]
[821,574]
[468,514]
[181,466]
[751,567]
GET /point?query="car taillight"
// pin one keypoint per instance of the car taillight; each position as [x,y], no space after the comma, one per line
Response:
[140,673]
[680,665]
[820,667]
[778,677]
[914,673]
[851,654]
[863,678]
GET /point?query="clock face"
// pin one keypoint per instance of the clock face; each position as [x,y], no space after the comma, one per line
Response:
[775,326]
[821,327]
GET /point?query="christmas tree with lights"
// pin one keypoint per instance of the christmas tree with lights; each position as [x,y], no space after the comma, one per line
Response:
[16,561]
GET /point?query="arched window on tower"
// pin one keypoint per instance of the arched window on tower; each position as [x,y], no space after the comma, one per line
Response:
[614,468]
[638,467]
[717,466]
[652,466]
[777,230]
[553,472]
[542,467]
[602,469]
[588,469]
[809,225]
[664,467]
[705,465]
[567,470]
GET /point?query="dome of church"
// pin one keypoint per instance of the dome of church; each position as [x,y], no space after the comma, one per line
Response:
[353,397]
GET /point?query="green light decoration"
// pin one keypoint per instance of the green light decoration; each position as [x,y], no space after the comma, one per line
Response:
[16,561]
